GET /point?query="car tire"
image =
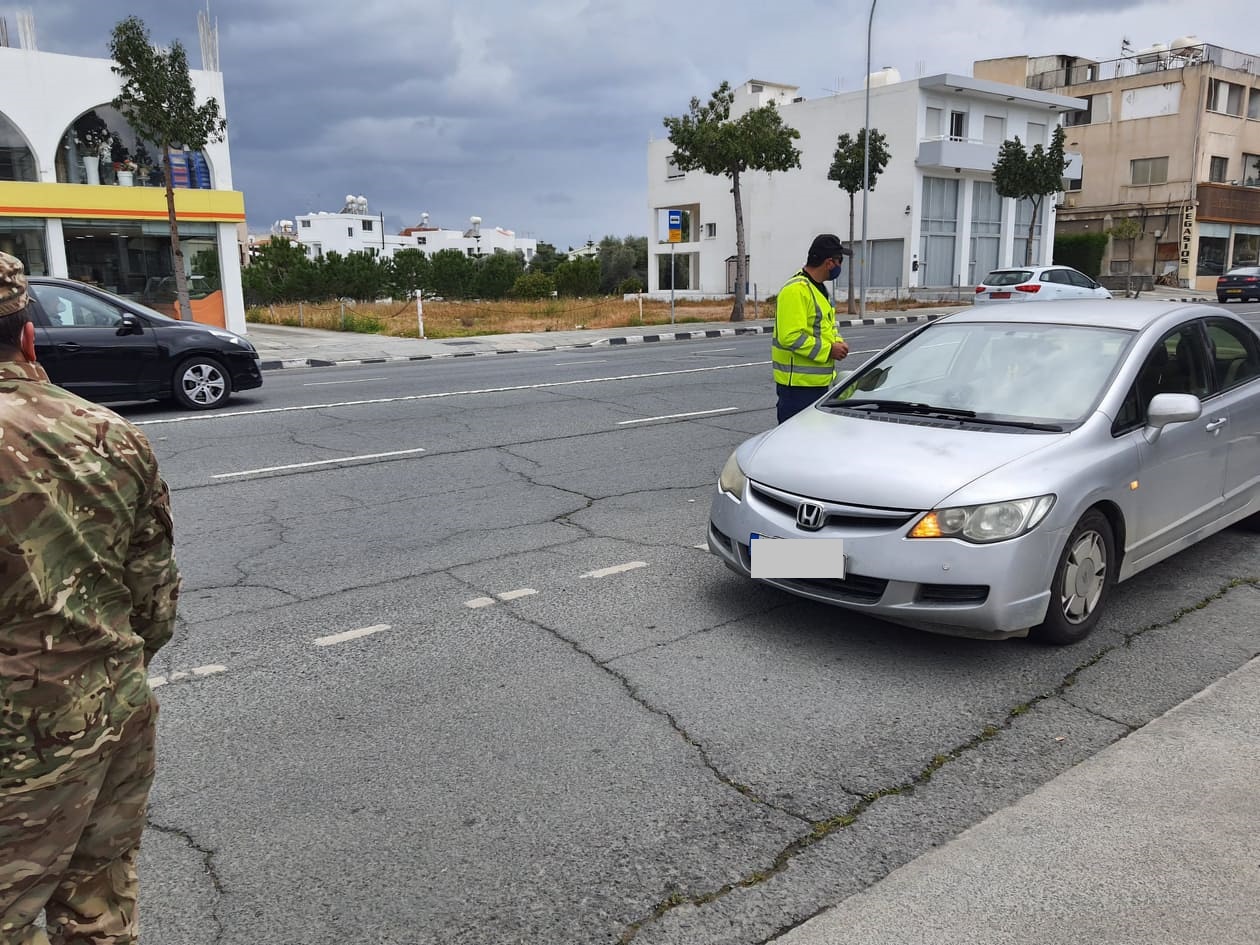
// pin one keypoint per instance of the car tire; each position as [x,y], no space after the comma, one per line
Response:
[1082,582]
[1222,299]
[201,383]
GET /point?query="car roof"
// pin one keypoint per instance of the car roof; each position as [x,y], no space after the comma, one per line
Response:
[1131,315]
[1027,268]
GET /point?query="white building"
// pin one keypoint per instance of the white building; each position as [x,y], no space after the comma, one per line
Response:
[934,219]
[69,207]
[354,229]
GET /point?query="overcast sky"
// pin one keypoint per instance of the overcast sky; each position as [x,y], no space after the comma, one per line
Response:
[535,115]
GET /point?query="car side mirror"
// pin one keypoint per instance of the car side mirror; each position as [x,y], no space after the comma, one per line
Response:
[1167,409]
[130,325]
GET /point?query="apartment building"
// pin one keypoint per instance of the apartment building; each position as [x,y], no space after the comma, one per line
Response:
[935,219]
[81,196]
[1169,136]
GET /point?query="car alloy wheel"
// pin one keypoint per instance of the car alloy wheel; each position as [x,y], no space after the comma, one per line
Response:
[201,383]
[1082,582]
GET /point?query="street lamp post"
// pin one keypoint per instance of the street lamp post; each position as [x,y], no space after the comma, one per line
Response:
[866,167]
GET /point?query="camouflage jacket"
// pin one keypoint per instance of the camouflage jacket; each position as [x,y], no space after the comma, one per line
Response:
[88,581]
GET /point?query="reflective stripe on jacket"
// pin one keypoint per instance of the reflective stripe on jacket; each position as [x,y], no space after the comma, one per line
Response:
[804,331]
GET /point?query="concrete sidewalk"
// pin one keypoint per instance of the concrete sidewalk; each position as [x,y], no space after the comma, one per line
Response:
[1153,841]
[283,346]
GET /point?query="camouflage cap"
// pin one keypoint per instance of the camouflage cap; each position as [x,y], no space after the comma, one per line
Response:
[12,285]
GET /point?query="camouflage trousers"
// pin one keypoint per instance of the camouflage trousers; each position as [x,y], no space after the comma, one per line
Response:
[69,850]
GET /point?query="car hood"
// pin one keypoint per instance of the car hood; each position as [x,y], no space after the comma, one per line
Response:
[882,463]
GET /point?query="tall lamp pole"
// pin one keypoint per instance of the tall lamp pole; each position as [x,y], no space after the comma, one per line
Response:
[866,167]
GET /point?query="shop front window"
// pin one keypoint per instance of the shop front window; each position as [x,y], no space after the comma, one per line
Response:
[100,147]
[16,160]
[25,240]
[133,259]
[1212,255]
[1246,250]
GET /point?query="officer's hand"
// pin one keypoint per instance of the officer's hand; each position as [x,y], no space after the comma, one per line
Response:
[839,351]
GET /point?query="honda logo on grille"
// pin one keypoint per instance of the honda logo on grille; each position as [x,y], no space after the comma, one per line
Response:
[809,516]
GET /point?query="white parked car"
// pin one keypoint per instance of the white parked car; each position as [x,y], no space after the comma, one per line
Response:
[1038,283]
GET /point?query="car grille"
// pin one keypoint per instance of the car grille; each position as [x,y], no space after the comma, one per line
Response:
[836,515]
[952,593]
[853,587]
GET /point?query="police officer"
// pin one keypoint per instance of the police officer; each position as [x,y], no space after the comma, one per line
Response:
[88,588]
[806,343]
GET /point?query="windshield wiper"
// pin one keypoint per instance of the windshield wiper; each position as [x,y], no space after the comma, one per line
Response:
[902,406]
[1021,424]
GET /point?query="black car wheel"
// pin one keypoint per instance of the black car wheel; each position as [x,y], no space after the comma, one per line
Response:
[201,383]
[1082,582]
[1222,298]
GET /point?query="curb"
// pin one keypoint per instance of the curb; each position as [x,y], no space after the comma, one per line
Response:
[623,340]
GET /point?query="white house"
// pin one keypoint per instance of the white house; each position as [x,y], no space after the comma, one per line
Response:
[934,219]
[354,229]
[72,207]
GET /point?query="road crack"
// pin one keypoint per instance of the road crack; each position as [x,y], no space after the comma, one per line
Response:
[207,861]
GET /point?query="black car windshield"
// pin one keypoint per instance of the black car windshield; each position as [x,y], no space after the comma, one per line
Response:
[1030,373]
[1008,277]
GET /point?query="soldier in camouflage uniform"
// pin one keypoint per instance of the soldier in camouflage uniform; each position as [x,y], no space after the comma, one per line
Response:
[88,586]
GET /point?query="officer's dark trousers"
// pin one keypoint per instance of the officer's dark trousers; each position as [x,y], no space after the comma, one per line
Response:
[792,400]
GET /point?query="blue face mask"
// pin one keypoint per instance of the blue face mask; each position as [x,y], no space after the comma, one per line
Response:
[834,272]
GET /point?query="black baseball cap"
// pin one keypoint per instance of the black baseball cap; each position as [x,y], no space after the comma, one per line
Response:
[827,246]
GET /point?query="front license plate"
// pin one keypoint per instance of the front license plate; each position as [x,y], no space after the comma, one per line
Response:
[999,295]
[796,559]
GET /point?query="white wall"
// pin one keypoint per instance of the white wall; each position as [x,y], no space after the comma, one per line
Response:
[343,233]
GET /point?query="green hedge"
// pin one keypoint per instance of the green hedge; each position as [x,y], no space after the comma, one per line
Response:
[1083,251]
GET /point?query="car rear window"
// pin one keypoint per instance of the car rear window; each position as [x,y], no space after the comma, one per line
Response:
[1007,277]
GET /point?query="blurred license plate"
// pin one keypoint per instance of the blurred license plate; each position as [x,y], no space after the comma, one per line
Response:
[788,559]
[999,295]
[1239,291]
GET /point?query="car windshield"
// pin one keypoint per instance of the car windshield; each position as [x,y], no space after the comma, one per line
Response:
[1021,373]
[1007,277]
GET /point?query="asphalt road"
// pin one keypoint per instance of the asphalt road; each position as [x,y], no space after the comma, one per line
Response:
[450,668]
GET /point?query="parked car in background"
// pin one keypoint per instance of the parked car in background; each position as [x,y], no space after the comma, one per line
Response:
[1242,283]
[1038,283]
[107,348]
[997,471]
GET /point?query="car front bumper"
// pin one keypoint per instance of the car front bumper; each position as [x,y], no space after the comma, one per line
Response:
[246,370]
[944,585]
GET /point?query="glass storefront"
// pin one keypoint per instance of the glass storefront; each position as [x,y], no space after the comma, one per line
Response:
[101,148]
[134,259]
[1246,249]
[25,239]
[1212,255]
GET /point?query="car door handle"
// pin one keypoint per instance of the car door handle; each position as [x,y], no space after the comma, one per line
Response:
[68,346]
[1215,425]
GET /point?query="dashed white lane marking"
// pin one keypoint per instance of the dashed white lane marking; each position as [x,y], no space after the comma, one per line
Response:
[702,546]
[585,361]
[226,415]
[357,380]
[615,569]
[350,634]
[677,416]
[478,602]
[318,462]
[197,672]
[516,594]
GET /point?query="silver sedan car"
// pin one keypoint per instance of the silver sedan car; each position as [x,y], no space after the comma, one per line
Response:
[997,471]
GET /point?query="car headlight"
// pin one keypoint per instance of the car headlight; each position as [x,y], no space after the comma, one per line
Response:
[732,480]
[228,336]
[981,524]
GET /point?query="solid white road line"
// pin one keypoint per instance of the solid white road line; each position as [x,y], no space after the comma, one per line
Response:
[318,462]
[355,381]
[516,594]
[226,415]
[350,635]
[677,416]
[211,669]
[615,569]
[586,361]
[479,602]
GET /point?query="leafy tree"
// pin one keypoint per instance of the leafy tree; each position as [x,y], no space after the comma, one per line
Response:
[159,102]
[578,277]
[533,285]
[1030,175]
[631,286]
[497,273]
[616,262]
[452,274]
[847,168]
[362,278]
[1083,251]
[545,259]
[279,271]
[408,271]
[708,139]
[1127,229]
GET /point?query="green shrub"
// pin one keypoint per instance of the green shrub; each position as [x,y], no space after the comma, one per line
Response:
[1083,251]
[630,286]
[533,285]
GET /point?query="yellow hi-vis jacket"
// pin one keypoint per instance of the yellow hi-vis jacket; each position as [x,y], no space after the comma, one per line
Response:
[804,331]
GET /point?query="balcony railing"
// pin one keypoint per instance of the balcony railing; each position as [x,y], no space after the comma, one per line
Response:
[1144,62]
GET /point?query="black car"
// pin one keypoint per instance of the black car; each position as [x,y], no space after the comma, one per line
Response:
[1242,284]
[107,348]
